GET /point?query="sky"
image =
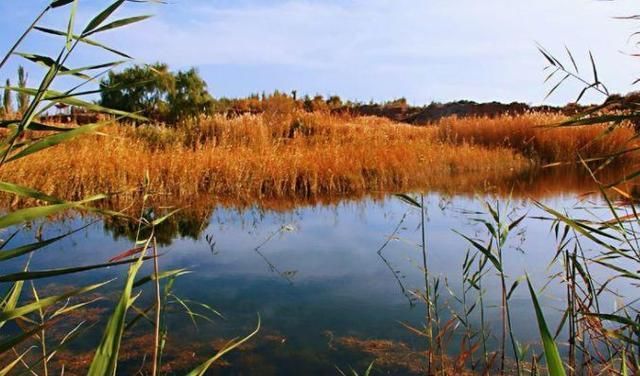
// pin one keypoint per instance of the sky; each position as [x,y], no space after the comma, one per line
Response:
[423,50]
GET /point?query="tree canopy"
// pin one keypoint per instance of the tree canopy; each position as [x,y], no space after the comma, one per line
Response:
[157,93]
[189,96]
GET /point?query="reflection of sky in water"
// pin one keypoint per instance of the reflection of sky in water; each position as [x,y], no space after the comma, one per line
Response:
[338,281]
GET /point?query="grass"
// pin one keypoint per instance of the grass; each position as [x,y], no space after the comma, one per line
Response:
[255,157]
[299,155]
[531,135]
[292,157]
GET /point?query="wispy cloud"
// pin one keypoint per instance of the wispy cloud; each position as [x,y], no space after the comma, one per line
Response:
[425,50]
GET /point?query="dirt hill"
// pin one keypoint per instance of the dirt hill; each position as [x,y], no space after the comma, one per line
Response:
[435,111]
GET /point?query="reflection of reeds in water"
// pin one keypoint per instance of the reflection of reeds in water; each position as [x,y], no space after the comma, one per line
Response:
[193,219]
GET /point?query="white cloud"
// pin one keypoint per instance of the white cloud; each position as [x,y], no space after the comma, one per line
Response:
[424,49]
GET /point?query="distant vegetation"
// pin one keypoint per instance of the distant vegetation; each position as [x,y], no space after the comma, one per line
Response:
[157,93]
[169,98]
[22,99]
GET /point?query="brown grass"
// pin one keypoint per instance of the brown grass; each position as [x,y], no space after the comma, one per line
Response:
[531,135]
[275,155]
[292,155]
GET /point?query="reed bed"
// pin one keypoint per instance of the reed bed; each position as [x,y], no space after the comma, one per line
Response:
[260,156]
[534,135]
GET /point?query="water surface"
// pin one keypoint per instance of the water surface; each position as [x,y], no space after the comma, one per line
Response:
[328,291]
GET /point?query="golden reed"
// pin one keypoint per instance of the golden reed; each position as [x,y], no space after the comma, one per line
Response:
[534,135]
[293,154]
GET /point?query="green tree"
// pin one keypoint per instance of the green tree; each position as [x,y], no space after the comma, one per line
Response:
[7,102]
[189,97]
[141,89]
[22,98]
[157,93]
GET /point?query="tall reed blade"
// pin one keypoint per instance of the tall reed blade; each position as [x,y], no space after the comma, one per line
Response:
[551,353]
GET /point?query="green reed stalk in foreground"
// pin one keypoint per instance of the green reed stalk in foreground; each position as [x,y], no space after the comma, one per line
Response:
[14,147]
[426,296]
[598,340]
[471,282]
[499,230]
[606,340]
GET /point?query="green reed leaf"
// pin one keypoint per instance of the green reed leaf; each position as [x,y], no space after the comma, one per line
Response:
[158,221]
[573,61]
[72,19]
[77,71]
[28,248]
[369,369]
[48,62]
[514,286]
[102,16]
[5,371]
[515,223]
[10,302]
[33,275]
[617,319]
[105,360]
[70,100]
[484,250]
[66,309]
[161,275]
[11,342]
[82,39]
[581,228]
[28,192]
[56,139]
[556,86]
[60,3]
[44,303]
[596,120]
[34,126]
[29,214]
[141,314]
[119,23]
[408,199]
[596,80]
[551,353]
[200,370]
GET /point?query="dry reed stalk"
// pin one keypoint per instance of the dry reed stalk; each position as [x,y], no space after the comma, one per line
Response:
[313,155]
[527,133]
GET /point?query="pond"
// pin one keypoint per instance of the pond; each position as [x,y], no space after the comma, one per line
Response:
[334,286]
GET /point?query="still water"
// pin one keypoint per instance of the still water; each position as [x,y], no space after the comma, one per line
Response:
[327,289]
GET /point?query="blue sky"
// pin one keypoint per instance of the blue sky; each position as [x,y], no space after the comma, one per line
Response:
[436,50]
